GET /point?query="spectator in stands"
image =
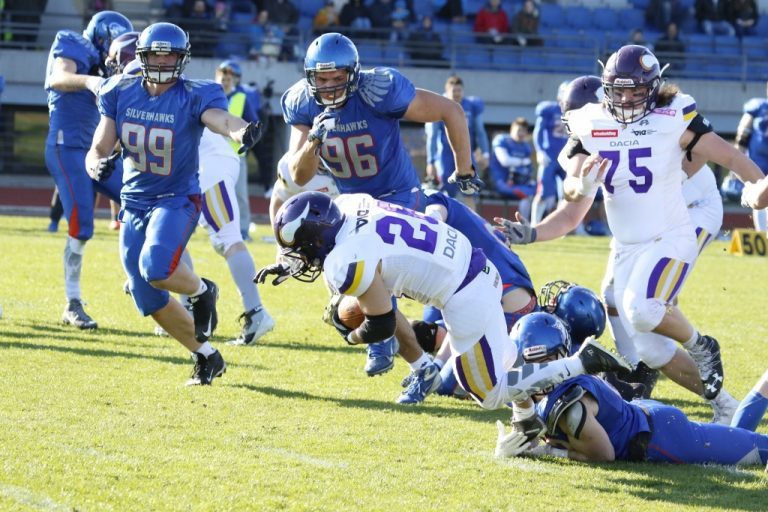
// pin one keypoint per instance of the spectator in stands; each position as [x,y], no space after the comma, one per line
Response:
[526,23]
[637,36]
[401,17]
[389,18]
[27,13]
[491,23]
[326,19]
[711,16]
[424,46]
[660,13]
[452,10]
[742,14]
[198,19]
[174,10]
[511,168]
[285,15]
[94,6]
[669,48]
[356,16]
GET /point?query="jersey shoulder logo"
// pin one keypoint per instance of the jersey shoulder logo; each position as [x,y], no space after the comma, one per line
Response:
[374,86]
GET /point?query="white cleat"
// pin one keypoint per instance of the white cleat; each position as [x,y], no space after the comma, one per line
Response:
[724,407]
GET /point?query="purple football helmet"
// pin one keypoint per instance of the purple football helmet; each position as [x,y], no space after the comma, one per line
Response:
[305,228]
[121,52]
[632,67]
[583,90]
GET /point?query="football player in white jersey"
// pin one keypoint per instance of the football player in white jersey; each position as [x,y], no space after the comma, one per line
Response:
[285,188]
[374,250]
[648,293]
[637,137]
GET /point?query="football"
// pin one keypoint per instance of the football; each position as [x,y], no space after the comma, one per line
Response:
[350,313]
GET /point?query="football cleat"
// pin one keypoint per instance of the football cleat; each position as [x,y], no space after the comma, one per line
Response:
[724,407]
[596,358]
[533,427]
[424,382]
[628,390]
[256,323]
[706,354]
[206,368]
[381,356]
[204,311]
[53,226]
[645,375]
[74,314]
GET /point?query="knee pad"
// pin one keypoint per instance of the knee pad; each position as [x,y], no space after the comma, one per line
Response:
[155,263]
[653,349]
[644,314]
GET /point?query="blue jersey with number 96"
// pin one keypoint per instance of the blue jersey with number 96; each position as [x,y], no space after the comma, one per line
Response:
[160,135]
[364,152]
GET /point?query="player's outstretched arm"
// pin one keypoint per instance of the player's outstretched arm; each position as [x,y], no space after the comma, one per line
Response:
[557,224]
[64,77]
[714,148]
[428,107]
[585,173]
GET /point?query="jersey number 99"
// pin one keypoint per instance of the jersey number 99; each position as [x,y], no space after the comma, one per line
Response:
[150,149]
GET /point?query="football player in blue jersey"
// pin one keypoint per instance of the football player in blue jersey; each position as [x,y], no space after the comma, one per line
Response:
[440,161]
[511,165]
[349,120]
[588,418]
[73,75]
[158,118]
[549,138]
[752,139]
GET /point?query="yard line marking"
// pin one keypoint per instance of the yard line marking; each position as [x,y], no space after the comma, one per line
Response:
[30,498]
[306,459]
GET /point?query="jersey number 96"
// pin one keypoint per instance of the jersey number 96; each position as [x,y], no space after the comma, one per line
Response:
[345,160]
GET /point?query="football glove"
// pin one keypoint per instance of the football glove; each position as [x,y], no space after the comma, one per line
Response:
[105,167]
[749,195]
[281,271]
[251,136]
[324,122]
[468,185]
[331,309]
[516,233]
[510,445]
[341,328]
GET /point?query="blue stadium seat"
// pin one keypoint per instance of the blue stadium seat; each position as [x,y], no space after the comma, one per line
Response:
[472,6]
[305,24]
[473,58]
[640,4]
[231,44]
[370,54]
[578,17]
[762,26]
[393,53]
[309,7]
[757,71]
[727,45]
[422,8]
[699,44]
[551,15]
[532,61]
[630,19]
[755,47]
[606,18]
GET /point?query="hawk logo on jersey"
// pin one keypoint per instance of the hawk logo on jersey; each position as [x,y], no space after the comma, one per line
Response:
[374,86]
[605,133]
[288,231]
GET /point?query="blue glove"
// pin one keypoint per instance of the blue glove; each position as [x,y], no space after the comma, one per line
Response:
[251,136]
[468,185]
[105,167]
[323,123]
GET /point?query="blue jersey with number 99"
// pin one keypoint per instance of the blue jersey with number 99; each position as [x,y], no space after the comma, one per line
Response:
[160,135]
[364,152]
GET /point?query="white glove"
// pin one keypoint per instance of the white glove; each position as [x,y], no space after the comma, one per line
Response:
[510,445]
[587,184]
[749,195]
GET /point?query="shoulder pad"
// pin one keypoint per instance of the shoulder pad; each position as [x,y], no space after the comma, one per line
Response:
[375,84]
[295,104]
[118,82]
[561,405]
[754,105]
[191,84]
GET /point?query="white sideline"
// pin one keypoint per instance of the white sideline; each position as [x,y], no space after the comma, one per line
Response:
[30,498]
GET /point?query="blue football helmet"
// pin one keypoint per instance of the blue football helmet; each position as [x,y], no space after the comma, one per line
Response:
[581,91]
[579,307]
[305,228]
[331,52]
[121,52]
[631,67]
[731,188]
[104,27]
[231,67]
[541,335]
[162,38]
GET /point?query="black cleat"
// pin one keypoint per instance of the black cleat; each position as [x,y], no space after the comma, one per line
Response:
[645,375]
[533,427]
[596,358]
[74,314]
[204,311]
[706,354]
[628,390]
[206,369]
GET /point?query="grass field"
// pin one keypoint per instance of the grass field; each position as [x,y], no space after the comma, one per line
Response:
[101,420]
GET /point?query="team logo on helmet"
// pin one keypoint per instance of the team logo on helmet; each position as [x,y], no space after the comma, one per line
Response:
[647,61]
[288,230]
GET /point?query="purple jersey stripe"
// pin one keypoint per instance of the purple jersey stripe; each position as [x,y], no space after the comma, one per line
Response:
[209,218]
[488,356]
[653,283]
[679,282]
[348,280]
[459,371]
[227,202]
[690,108]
